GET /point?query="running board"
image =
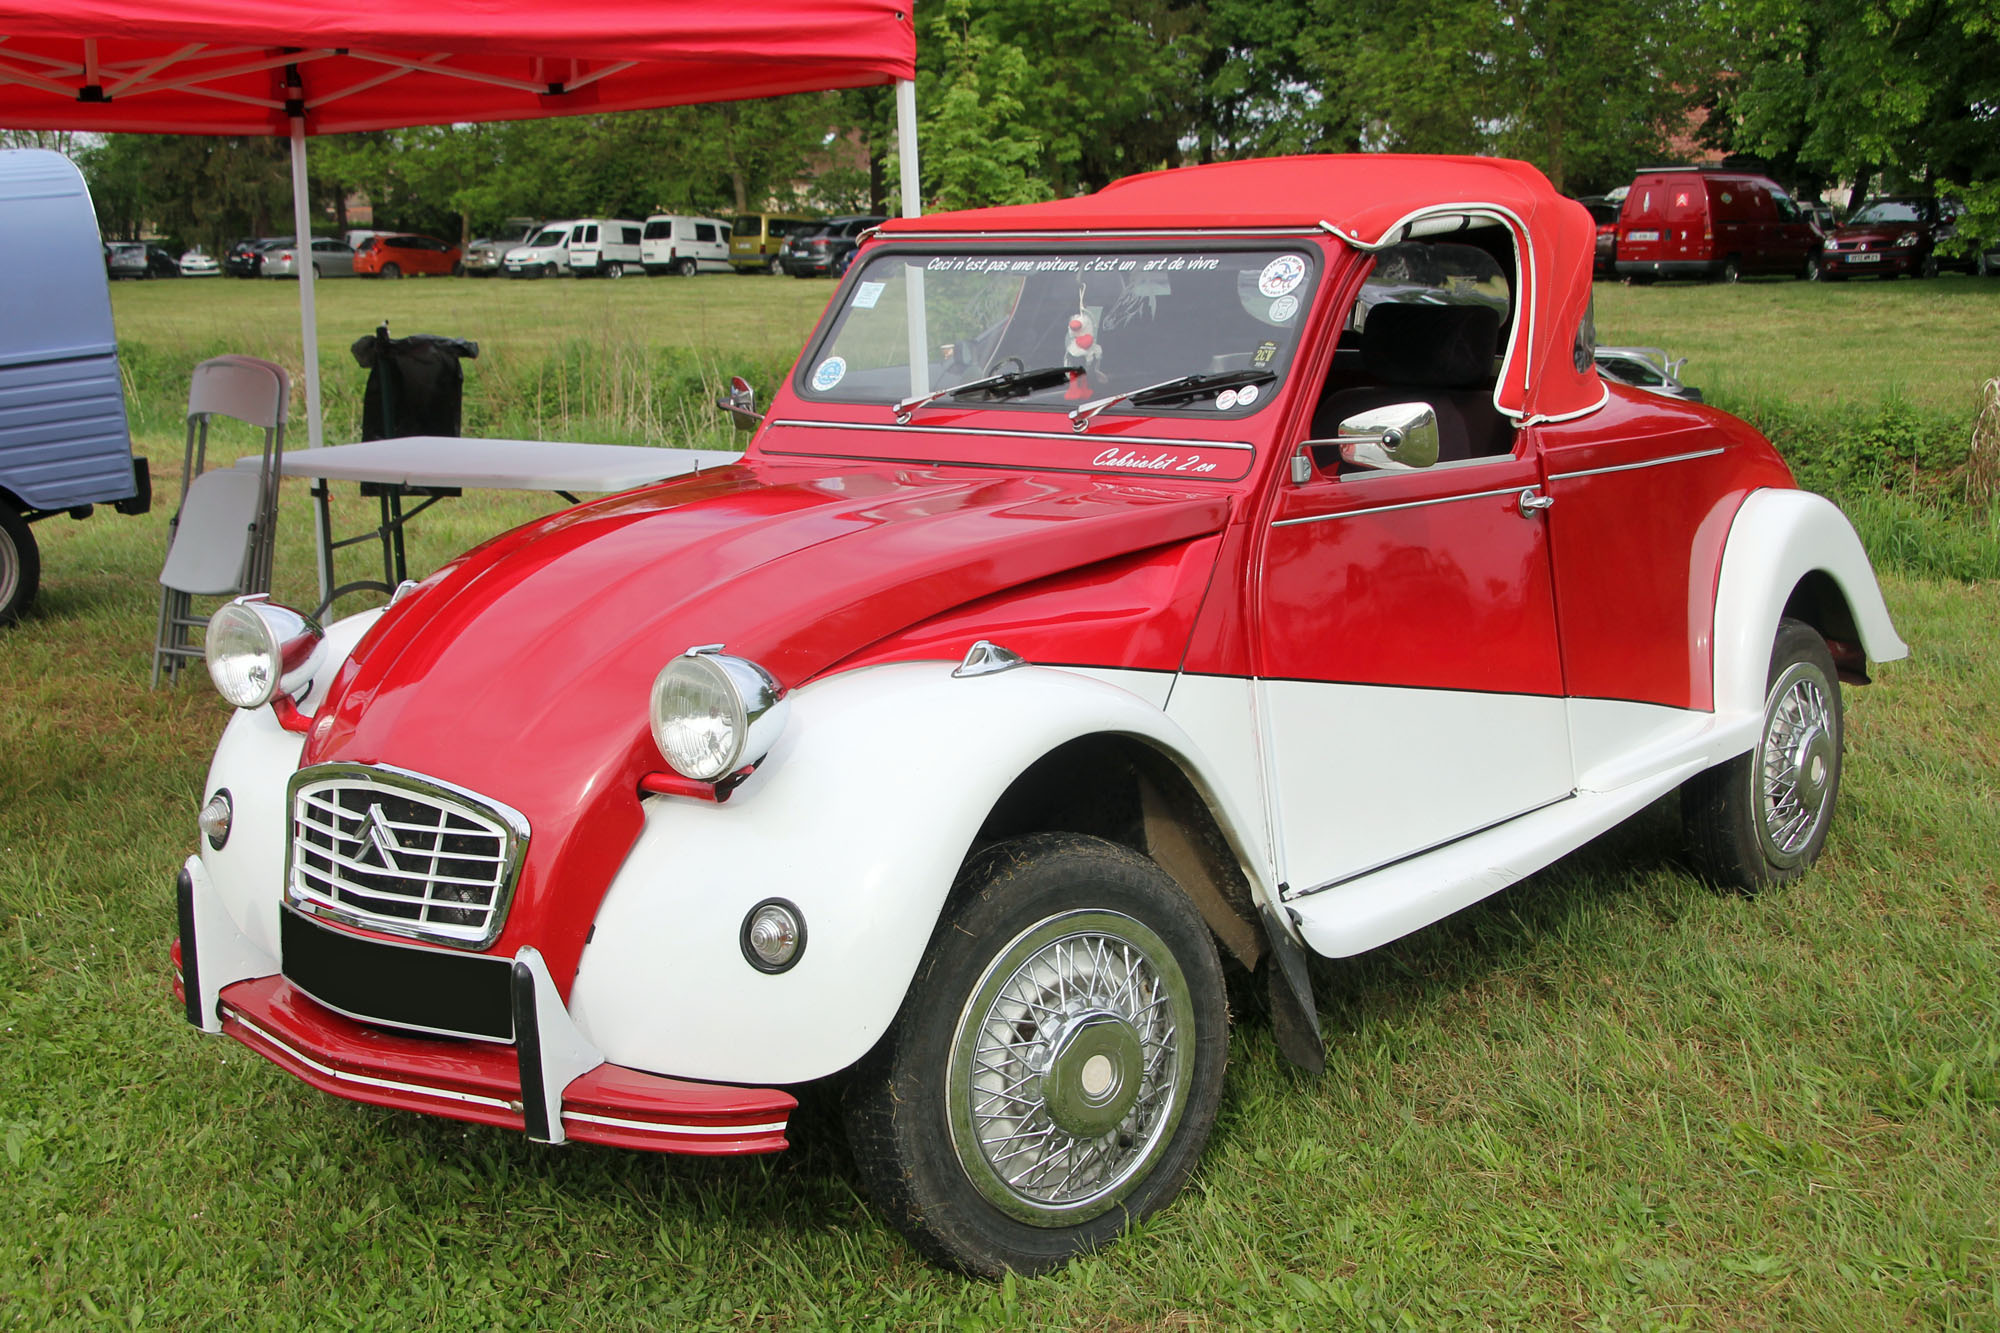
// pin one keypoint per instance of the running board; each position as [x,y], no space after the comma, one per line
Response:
[1359,914]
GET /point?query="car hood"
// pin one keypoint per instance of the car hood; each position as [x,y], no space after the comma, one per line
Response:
[1874,235]
[522,671]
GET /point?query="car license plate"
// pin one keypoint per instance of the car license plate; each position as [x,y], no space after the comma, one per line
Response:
[1864,259]
[1642,236]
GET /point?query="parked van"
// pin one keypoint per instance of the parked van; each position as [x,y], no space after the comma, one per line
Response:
[64,444]
[545,254]
[604,247]
[756,238]
[1704,222]
[685,245]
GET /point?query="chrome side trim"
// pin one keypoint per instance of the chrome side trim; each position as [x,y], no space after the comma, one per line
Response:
[1067,437]
[662,1127]
[1426,851]
[1634,467]
[1383,509]
[368,1080]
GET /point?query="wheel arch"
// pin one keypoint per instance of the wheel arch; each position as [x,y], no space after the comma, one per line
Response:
[862,816]
[1793,553]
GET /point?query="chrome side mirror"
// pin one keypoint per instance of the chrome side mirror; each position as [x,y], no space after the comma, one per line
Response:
[741,404]
[1399,438]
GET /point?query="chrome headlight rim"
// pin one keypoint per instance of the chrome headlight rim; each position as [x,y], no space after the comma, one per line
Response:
[280,643]
[750,701]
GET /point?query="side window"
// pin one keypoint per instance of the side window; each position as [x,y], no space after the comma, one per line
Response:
[704,231]
[1430,327]
[631,235]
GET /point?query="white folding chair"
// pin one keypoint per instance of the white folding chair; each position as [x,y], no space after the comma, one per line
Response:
[220,541]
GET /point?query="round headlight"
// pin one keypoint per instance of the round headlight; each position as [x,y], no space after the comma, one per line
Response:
[255,648]
[712,714]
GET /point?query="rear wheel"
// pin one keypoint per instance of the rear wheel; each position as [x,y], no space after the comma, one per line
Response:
[1057,1063]
[685,267]
[1732,269]
[1762,818]
[20,565]
[392,270]
[614,269]
[775,267]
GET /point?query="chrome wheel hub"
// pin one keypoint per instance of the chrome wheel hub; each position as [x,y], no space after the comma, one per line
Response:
[1070,1067]
[1800,758]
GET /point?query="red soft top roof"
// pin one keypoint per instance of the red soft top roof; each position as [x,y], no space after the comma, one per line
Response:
[219,66]
[1368,200]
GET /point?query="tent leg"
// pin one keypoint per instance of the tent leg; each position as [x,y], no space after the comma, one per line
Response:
[308,315]
[913,205]
[906,147]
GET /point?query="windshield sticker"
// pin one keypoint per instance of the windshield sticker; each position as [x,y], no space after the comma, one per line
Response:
[1281,276]
[1246,395]
[1283,309]
[867,294]
[1225,400]
[1266,353]
[830,373]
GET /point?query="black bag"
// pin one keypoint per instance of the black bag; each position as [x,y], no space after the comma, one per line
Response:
[415,384]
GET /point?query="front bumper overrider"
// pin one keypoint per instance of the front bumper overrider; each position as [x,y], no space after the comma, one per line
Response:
[549,1082]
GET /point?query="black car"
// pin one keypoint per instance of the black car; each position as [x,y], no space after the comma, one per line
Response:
[245,258]
[827,247]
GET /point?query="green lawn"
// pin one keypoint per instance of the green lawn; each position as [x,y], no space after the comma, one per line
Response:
[1609,1098]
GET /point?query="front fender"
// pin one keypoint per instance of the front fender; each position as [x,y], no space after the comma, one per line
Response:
[1777,538]
[860,817]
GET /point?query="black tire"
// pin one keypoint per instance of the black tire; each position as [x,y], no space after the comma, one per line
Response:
[1732,269]
[775,267]
[1744,829]
[614,269]
[1815,269]
[392,270]
[20,565]
[686,267]
[1007,939]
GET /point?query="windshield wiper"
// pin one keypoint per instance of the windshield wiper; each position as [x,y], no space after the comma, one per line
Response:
[1009,384]
[1166,391]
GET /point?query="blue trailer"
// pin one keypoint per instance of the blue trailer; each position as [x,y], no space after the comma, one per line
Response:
[64,443]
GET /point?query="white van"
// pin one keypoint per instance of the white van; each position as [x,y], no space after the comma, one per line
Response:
[603,247]
[544,255]
[685,245]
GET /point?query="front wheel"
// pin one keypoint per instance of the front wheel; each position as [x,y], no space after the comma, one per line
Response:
[1762,818]
[1057,1063]
[20,565]
[392,270]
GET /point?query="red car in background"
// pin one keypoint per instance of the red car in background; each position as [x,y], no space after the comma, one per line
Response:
[395,256]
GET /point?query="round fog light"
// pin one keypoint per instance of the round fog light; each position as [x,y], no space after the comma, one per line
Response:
[214,818]
[774,935]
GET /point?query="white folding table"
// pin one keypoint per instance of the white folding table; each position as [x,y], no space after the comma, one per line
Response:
[437,467]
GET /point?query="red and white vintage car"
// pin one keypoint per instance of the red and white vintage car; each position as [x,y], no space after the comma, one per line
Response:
[1250,562]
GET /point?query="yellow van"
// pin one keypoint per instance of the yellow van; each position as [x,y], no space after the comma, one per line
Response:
[757,237]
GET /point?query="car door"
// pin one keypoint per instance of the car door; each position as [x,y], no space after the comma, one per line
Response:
[333,258]
[1410,676]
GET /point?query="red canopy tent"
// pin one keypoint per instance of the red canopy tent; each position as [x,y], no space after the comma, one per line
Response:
[294,68]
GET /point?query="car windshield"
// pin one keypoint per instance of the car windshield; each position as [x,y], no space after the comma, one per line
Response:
[1122,320]
[1885,210]
[552,236]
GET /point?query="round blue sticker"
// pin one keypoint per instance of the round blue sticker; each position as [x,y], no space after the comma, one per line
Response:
[830,372]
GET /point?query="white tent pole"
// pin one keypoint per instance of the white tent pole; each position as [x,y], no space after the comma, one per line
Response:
[913,205]
[906,146]
[308,316]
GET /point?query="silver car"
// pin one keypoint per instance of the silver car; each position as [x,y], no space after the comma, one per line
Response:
[330,259]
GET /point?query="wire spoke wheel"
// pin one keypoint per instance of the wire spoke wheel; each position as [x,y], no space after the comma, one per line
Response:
[1069,1070]
[1798,758]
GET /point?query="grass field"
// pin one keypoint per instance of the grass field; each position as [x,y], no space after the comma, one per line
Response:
[1609,1098]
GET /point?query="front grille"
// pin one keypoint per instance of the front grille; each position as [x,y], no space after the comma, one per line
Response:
[401,853]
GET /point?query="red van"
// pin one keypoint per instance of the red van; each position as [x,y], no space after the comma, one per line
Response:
[1703,222]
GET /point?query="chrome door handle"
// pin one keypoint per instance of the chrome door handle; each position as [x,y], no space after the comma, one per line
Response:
[1532,504]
